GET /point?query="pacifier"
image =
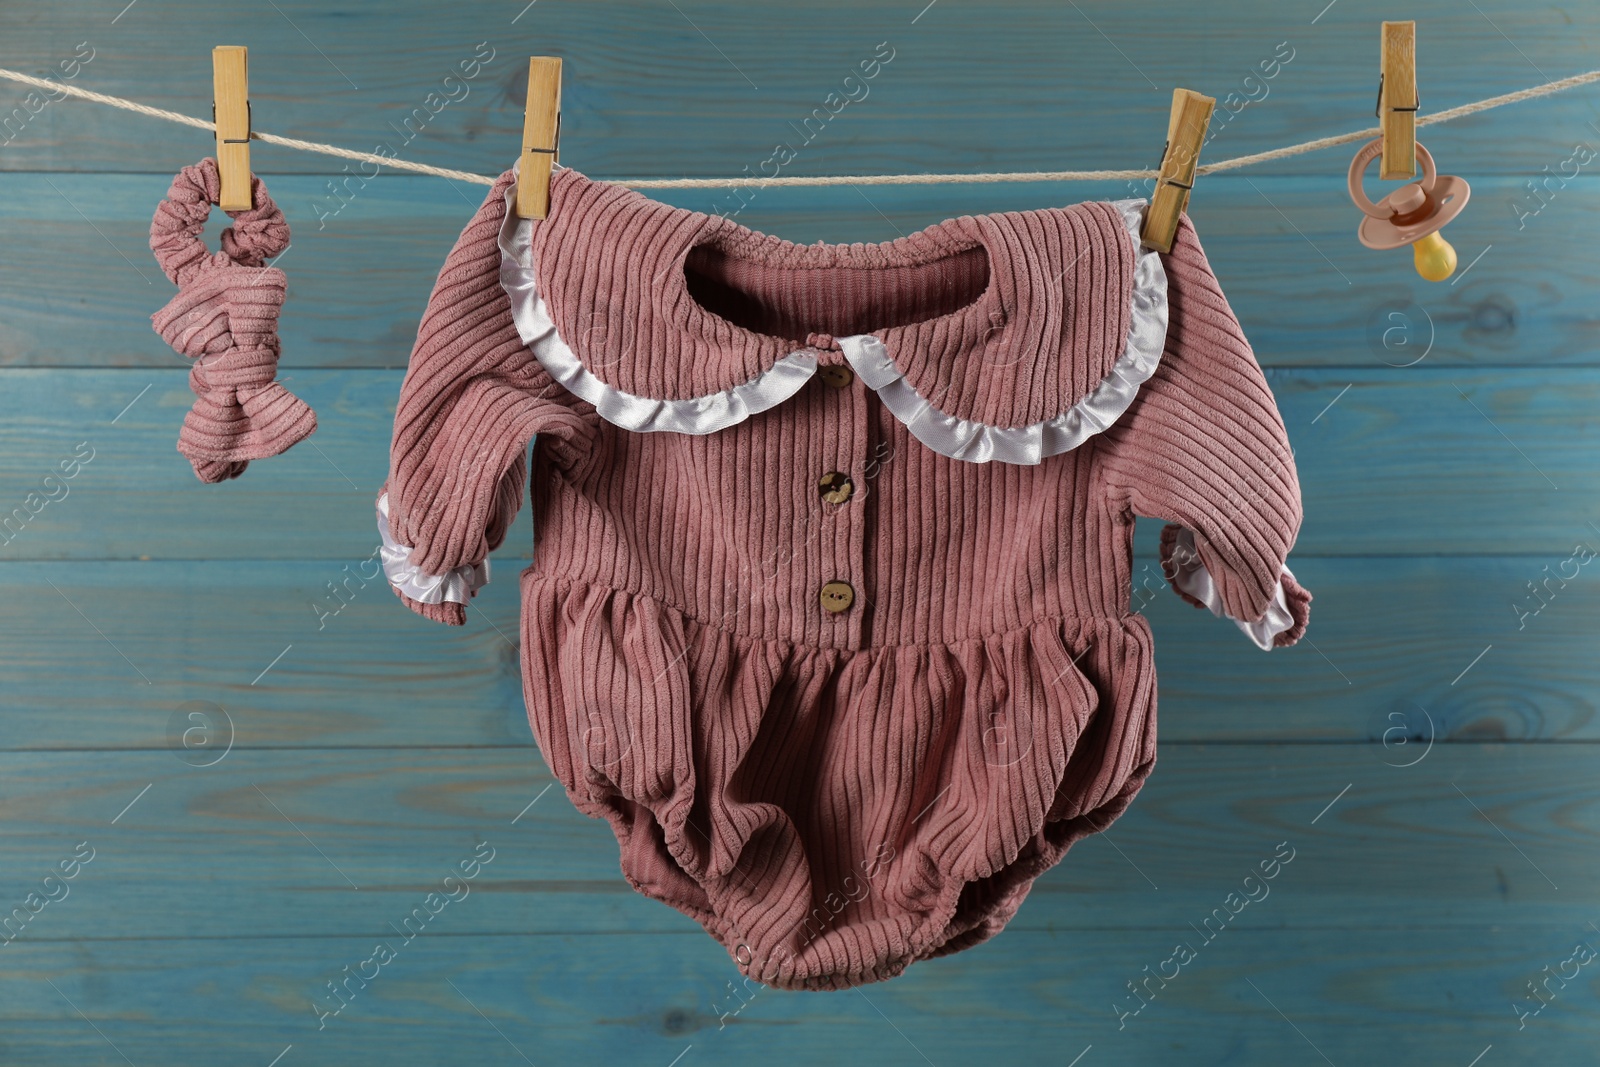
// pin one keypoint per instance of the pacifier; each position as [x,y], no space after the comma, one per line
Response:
[1411,215]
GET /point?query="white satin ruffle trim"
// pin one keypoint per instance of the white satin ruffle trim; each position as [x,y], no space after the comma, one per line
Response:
[1191,576]
[962,439]
[456,585]
[695,415]
[978,442]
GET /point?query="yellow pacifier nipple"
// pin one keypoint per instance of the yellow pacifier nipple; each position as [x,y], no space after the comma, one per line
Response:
[1435,257]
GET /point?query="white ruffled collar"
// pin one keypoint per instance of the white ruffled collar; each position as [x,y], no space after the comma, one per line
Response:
[787,366]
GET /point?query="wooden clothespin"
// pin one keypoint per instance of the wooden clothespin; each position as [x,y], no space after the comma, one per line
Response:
[1397,100]
[541,137]
[1186,132]
[231,112]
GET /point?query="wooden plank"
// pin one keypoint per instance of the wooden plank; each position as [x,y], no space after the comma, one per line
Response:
[661,92]
[345,247]
[1359,996]
[126,424]
[372,674]
[332,842]
[1402,930]
[1412,461]
[1435,493]
[365,259]
[541,131]
[1392,655]
[289,662]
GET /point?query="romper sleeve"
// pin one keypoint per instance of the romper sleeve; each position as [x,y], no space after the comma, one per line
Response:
[472,399]
[1204,448]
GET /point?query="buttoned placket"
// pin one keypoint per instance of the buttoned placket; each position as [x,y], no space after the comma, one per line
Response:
[836,493]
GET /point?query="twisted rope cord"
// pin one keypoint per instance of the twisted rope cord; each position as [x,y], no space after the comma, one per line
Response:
[269,138]
[982,178]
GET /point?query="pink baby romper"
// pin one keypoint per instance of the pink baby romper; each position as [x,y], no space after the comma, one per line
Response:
[829,612]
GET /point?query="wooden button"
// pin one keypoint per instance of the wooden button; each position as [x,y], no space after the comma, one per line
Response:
[838,596]
[835,487]
[837,375]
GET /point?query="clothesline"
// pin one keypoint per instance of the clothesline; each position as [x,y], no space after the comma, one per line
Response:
[1447,115]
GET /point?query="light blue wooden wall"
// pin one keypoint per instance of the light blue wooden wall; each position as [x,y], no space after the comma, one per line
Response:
[1432,882]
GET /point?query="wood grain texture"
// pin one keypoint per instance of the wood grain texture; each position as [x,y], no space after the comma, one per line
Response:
[654,91]
[332,842]
[1186,132]
[231,96]
[1428,750]
[1421,460]
[1285,250]
[1037,999]
[1391,635]
[540,129]
[1397,100]
[1400,903]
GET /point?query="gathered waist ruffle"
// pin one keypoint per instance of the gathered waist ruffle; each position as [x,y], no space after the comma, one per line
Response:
[833,815]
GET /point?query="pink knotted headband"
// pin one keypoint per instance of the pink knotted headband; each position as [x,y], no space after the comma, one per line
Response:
[225,318]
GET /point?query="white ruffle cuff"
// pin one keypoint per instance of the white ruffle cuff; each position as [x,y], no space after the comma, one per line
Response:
[1190,576]
[456,585]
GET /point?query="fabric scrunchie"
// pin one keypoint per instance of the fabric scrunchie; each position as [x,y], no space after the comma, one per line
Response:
[225,319]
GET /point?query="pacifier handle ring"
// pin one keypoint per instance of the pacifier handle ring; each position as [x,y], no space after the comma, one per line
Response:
[1358,166]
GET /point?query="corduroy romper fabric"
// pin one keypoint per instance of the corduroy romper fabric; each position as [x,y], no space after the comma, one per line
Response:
[834,796]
